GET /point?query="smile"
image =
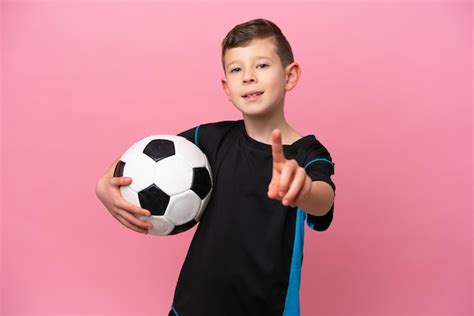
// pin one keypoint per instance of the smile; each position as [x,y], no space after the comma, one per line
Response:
[252,96]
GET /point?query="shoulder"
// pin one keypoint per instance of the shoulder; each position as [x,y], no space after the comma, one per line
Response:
[208,128]
[309,145]
[207,136]
[310,150]
[214,131]
[316,160]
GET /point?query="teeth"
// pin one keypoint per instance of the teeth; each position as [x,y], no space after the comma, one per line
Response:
[253,94]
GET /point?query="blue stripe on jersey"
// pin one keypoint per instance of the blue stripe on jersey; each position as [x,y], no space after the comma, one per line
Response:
[196,135]
[292,302]
[314,160]
[174,311]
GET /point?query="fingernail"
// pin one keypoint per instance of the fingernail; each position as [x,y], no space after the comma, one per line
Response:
[281,193]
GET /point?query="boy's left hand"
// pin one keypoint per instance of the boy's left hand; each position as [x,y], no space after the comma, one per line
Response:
[289,183]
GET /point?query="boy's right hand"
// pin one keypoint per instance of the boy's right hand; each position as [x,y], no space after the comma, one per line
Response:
[108,192]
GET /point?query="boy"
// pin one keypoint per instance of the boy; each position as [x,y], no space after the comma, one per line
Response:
[246,254]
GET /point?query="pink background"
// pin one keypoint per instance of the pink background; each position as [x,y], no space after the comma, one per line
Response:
[386,87]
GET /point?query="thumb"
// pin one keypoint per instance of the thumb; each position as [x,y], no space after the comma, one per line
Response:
[273,189]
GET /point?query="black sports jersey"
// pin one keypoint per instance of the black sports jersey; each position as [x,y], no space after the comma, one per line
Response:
[245,257]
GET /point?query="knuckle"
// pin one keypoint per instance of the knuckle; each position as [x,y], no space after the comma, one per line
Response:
[119,202]
[291,194]
[132,207]
[135,225]
[137,210]
[120,215]
[127,206]
[301,172]
[115,212]
[143,212]
[140,223]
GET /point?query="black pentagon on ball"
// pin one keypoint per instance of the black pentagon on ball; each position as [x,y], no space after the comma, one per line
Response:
[182,228]
[159,149]
[201,182]
[154,200]
[118,171]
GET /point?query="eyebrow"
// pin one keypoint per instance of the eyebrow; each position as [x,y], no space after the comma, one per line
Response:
[256,57]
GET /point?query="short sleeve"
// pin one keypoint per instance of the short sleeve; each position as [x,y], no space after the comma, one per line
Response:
[191,134]
[207,137]
[320,167]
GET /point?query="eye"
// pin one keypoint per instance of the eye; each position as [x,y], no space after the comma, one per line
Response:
[235,69]
[264,65]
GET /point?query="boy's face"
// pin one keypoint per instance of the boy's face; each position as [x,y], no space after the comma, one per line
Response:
[257,68]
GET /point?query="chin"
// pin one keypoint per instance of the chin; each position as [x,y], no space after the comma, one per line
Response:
[257,113]
[249,109]
[253,109]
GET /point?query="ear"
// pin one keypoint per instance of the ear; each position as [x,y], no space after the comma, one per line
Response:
[293,74]
[225,86]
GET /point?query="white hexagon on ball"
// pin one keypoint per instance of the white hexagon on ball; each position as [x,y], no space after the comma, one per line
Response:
[173,175]
[192,154]
[179,206]
[138,168]
[161,226]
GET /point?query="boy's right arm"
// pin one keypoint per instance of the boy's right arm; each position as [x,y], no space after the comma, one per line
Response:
[108,191]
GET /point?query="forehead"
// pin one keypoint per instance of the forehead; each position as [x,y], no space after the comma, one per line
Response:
[257,47]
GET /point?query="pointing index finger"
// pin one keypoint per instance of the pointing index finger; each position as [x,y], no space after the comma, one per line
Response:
[277,147]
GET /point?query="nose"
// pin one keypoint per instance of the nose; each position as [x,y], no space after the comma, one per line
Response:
[249,76]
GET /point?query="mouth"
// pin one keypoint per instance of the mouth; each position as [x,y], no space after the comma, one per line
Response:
[252,95]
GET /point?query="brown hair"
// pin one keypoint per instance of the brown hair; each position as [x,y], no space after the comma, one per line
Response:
[242,34]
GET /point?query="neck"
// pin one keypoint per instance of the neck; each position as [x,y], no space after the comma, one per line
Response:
[260,128]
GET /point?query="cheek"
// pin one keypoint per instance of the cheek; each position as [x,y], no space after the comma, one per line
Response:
[276,88]
[233,88]
[274,81]
[234,94]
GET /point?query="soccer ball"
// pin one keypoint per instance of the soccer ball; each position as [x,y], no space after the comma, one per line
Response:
[171,178]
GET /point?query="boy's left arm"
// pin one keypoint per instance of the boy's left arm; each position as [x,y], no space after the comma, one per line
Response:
[291,185]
